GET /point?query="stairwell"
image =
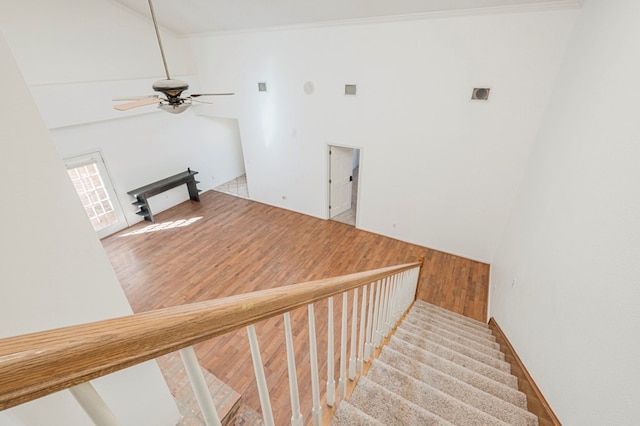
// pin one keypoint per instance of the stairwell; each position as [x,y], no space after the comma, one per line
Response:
[438,368]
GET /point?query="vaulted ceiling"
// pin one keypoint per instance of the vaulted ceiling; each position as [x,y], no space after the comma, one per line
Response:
[207,16]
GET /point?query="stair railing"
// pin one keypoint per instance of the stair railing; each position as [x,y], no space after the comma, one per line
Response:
[38,364]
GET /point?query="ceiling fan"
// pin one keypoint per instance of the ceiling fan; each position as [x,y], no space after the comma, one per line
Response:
[172,89]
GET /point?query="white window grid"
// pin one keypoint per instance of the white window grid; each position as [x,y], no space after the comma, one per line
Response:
[93,195]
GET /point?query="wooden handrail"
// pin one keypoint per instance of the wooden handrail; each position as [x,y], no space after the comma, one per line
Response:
[35,365]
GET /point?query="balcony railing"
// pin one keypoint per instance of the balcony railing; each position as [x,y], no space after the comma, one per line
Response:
[38,364]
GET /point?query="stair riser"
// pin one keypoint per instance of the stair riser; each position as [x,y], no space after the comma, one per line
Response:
[429,398]
[455,388]
[452,316]
[396,410]
[425,339]
[473,333]
[500,390]
[429,328]
[347,414]
[460,359]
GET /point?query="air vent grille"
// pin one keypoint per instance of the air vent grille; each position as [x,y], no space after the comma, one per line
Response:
[350,89]
[480,94]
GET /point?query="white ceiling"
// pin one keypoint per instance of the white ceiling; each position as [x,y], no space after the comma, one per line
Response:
[207,16]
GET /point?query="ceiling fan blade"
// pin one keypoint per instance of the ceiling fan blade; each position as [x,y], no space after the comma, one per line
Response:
[138,103]
[195,95]
[134,98]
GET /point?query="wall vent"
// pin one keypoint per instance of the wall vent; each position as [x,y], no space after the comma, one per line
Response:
[350,89]
[262,86]
[480,94]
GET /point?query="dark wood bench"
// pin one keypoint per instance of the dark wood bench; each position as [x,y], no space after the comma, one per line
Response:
[143,193]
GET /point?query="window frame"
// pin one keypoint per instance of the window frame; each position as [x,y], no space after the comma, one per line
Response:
[96,157]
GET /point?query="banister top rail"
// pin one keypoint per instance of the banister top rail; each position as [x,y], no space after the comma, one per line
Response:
[35,365]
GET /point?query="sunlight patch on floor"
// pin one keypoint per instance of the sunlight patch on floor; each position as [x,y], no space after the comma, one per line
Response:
[163,226]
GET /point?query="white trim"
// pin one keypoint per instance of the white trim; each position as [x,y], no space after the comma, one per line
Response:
[523,8]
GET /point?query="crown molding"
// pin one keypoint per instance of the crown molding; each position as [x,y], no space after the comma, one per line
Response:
[483,11]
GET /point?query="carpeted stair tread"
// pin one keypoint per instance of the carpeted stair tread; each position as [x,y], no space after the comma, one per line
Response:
[439,403]
[426,329]
[433,318]
[445,315]
[423,359]
[397,365]
[407,332]
[456,357]
[424,307]
[393,409]
[469,332]
[347,414]
[480,333]
[427,309]
[440,368]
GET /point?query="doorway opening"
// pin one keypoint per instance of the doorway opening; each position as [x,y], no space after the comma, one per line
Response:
[344,174]
[227,157]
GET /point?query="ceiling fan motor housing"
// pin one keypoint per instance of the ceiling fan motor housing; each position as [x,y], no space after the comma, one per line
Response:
[170,87]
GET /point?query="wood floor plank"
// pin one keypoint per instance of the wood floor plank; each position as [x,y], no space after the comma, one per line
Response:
[238,246]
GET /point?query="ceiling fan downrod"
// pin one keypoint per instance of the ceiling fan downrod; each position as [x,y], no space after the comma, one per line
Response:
[155,25]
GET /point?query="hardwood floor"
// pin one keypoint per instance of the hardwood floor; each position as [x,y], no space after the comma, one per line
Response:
[238,246]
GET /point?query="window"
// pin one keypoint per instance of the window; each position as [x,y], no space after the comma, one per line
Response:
[89,178]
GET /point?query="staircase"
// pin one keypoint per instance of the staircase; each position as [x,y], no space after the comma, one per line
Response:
[438,368]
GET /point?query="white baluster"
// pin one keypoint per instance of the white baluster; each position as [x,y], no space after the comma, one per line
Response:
[393,306]
[316,411]
[402,298]
[377,337]
[382,312]
[363,320]
[261,381]
[199,385]
[414,288]
[410,292]
[368,347]
[404,293]
[296,415]
[402,288]
[93,404]
[342,381]
[398,299]
[354,328]
[331,382]
[387,308]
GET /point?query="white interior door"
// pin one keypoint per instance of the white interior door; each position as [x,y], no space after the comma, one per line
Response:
[341,184]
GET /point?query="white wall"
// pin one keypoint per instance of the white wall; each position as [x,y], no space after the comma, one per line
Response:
[144,148]
[77,56]
[437,169]
[53,270]
[573,241]
[71,41]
